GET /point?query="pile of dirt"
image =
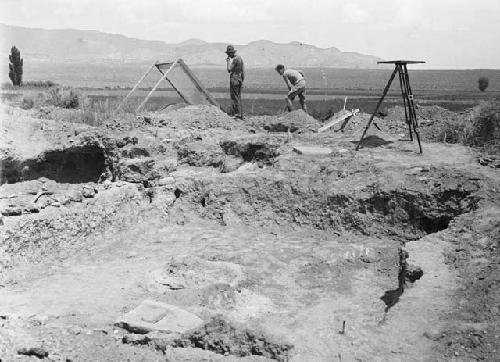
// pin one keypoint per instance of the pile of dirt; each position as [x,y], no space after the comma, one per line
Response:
[295,122]
[432,120]
[220,336]
[424,113]
[435,113]
[429,118]
[201,117]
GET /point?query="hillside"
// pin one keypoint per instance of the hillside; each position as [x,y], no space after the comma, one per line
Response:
[90,45]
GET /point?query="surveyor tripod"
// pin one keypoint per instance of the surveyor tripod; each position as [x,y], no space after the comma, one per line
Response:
[406,93]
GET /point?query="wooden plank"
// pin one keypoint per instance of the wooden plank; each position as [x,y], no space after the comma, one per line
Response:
[172,84]
[164,66]
[313,150]
[401,62]
[151,92]
[135,87]
[337,118]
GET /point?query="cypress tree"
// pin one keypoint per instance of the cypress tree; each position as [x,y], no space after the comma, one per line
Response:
[15,66]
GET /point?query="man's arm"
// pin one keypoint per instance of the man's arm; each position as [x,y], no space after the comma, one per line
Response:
[288,84]
[242,71]
[229,65]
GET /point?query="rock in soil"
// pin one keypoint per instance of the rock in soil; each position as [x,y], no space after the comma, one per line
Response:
[155,316]
[34,351]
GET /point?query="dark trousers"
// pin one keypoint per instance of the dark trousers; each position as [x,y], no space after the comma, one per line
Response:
[235,91]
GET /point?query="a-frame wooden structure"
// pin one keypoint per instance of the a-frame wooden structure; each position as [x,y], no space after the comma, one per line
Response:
[191,91]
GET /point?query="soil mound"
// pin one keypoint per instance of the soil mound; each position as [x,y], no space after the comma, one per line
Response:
[295,122]
[196,116]
[223,337]
[429,119]
[434,112]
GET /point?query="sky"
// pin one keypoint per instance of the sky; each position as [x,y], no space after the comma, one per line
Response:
[456,34]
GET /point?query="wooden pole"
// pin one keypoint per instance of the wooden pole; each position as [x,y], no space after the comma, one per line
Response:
[151,92]
[175,64]
[412,107]
[404,95]
[377,107]
[197,83]
[135,86]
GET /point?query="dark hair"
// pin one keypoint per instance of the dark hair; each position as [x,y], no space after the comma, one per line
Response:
[279,67]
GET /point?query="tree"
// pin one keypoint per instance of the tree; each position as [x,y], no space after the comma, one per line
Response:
[483,83]
[15,66]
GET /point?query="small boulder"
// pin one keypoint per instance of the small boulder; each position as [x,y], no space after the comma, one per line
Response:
[33,209]
[38,352]
[156,316]
[231,164]
[200,153]
[254,148]
[12,211]
[169,180]
[137,170]
[88,192]
[413,273]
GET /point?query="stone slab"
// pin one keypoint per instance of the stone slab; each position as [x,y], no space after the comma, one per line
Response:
[156,316]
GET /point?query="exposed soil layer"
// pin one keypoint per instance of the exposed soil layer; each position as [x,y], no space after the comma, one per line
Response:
[407,213]
[381,254]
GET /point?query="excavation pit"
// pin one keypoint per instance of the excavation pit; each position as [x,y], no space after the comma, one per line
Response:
[297,246]
[70,165]
[401,213]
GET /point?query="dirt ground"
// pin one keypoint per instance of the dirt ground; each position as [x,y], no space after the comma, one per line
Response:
[273,241]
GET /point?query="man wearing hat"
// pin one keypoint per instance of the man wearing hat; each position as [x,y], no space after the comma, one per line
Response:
[236,71]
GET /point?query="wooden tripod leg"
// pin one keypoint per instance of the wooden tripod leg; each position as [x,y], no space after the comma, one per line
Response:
[135,87]
[413,113]
[150,93]
[404,94]
[377,107]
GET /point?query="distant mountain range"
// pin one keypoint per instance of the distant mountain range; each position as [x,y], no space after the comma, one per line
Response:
[90,46]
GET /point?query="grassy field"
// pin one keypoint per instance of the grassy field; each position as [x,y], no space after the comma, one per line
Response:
[105,84]
[253,103]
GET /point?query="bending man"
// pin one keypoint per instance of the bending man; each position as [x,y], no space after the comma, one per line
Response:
[236,71]
[296,84]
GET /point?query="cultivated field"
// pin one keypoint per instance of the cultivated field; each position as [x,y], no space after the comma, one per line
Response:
[101,75]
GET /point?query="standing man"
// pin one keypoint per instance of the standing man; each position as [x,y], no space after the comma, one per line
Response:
[236,71]
[296,84]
